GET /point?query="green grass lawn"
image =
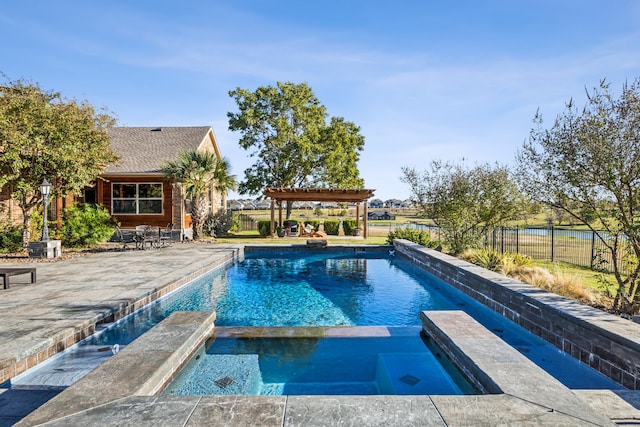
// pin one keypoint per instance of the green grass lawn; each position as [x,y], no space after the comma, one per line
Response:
[253,238]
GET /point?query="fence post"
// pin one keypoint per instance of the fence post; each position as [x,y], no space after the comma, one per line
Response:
[552,243]
[493,238]
[502,239]
[517,240]
[593,248]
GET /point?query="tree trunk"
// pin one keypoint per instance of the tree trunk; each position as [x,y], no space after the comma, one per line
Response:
[198,215]
[26,224]
[289,206]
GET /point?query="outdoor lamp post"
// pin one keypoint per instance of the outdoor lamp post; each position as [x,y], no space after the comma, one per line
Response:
[45,189]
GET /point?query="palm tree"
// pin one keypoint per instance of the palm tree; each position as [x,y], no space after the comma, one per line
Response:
[197,172]
[223,180]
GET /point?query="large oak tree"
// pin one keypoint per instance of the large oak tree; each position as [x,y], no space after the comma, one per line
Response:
[587,164]
[43,135]
[284,127]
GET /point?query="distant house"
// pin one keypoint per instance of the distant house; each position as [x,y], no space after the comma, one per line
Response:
[376,203]
[263,204]
[381,216]
[406,204]
[236,205]
[135,191]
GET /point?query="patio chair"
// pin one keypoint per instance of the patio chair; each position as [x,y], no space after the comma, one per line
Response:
[306,230]
[166,235]
[309,231]
[148,235]
[126,237]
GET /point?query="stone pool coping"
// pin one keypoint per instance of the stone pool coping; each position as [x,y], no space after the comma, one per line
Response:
[123,390]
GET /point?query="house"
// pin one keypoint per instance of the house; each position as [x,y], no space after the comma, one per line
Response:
[381,216]
[135,191]
[376,203]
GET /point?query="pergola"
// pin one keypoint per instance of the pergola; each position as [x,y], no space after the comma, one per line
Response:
[357,196]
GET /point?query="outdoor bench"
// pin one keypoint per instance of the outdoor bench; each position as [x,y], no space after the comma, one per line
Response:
[5,273]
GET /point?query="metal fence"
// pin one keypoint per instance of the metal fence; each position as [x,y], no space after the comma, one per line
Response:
[578,247]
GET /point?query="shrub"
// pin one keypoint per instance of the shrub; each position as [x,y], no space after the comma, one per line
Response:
[313,222]
[218,224]
[331,226]
[486,258]
[35,228]
[505,263]
[86,225]
[414,235]
[264,228]
[348,225]
[10,239]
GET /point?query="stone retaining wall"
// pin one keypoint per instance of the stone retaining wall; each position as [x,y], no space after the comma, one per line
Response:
[603,341]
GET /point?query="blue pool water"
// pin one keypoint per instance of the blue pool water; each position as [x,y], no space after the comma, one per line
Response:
[328,289]
[321,290]
[395,364]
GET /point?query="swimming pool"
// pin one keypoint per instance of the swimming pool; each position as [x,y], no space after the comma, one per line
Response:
[328,289]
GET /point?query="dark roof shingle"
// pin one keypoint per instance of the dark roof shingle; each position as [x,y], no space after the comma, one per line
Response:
[147,149]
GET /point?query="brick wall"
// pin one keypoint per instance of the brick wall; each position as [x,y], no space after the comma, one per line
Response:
[601,340]
[10,212]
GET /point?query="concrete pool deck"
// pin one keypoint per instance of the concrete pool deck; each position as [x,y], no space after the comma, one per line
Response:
[72,295]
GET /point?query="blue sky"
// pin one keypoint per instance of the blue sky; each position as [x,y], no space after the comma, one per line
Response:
[424,80]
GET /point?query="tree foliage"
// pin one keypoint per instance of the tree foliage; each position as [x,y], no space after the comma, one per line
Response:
[587,164]
[198,172]
[43,135]
[284,128]
[464,202]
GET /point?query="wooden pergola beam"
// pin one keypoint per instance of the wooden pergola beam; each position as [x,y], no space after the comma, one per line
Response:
[319,195]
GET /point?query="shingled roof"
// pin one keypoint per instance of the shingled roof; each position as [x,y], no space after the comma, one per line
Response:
[145,150]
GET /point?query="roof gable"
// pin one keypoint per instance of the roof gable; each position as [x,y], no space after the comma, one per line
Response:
[145,150]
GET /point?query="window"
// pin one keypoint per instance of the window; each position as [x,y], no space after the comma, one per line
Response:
[136,199]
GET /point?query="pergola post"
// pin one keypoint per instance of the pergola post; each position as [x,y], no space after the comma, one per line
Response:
[272,228]
[365,220]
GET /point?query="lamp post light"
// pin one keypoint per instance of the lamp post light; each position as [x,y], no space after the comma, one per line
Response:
[45,189]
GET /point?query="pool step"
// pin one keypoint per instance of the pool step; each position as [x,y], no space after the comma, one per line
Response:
[413,373]
[225,374]
[65,369]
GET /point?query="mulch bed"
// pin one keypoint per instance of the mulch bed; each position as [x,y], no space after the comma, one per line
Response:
[23,256]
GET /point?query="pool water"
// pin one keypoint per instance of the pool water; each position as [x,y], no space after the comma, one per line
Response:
[397,364]
[321,290]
